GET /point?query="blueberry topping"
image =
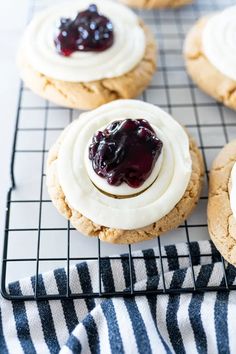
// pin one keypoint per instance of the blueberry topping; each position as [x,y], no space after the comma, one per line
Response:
[88,32]
[125,151]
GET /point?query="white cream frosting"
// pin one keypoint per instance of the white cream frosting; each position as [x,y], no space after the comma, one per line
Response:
[126,52]
[136,211]
[219,41]
[233,191]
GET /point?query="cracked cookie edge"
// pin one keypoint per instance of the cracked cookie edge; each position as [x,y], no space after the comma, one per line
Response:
[171,221]
[202,72]
[221,222]
[92,94]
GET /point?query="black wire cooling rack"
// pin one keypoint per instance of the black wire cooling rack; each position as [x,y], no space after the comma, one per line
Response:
[39,122]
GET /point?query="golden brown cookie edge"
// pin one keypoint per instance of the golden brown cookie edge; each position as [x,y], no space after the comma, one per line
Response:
[221,222]
[167,223]
[92,94]
[208,78]
[156,4]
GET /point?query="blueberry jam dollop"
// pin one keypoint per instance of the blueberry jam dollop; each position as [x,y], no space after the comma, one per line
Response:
[88,32]
[126,151]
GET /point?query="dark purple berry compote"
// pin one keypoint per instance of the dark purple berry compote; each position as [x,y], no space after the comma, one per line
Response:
[125,151]
[88,32]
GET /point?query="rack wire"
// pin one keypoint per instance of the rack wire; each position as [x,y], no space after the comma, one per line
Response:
[38,123]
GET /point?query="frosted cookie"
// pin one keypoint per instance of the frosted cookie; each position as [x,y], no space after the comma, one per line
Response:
[152,4]
[210,52]
[125,172]
[81,56]
[222,202]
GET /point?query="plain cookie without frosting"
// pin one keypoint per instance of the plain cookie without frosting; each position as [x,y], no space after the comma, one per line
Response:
[203,73]
[155,4]
[167,223]
[221,222]
[92,94]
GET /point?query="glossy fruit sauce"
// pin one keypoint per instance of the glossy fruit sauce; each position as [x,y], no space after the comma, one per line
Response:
[88,32]
[126,151]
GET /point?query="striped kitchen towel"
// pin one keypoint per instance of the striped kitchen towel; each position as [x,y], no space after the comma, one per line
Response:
[186,323]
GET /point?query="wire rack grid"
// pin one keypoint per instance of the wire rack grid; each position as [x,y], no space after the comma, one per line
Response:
[30,216]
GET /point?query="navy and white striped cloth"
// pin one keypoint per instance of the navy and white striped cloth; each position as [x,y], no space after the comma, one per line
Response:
[186,323]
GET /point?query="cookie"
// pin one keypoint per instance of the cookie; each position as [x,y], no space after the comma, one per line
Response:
[114,235]
[221,222]
[203,73]
[155,4]
[93,93]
